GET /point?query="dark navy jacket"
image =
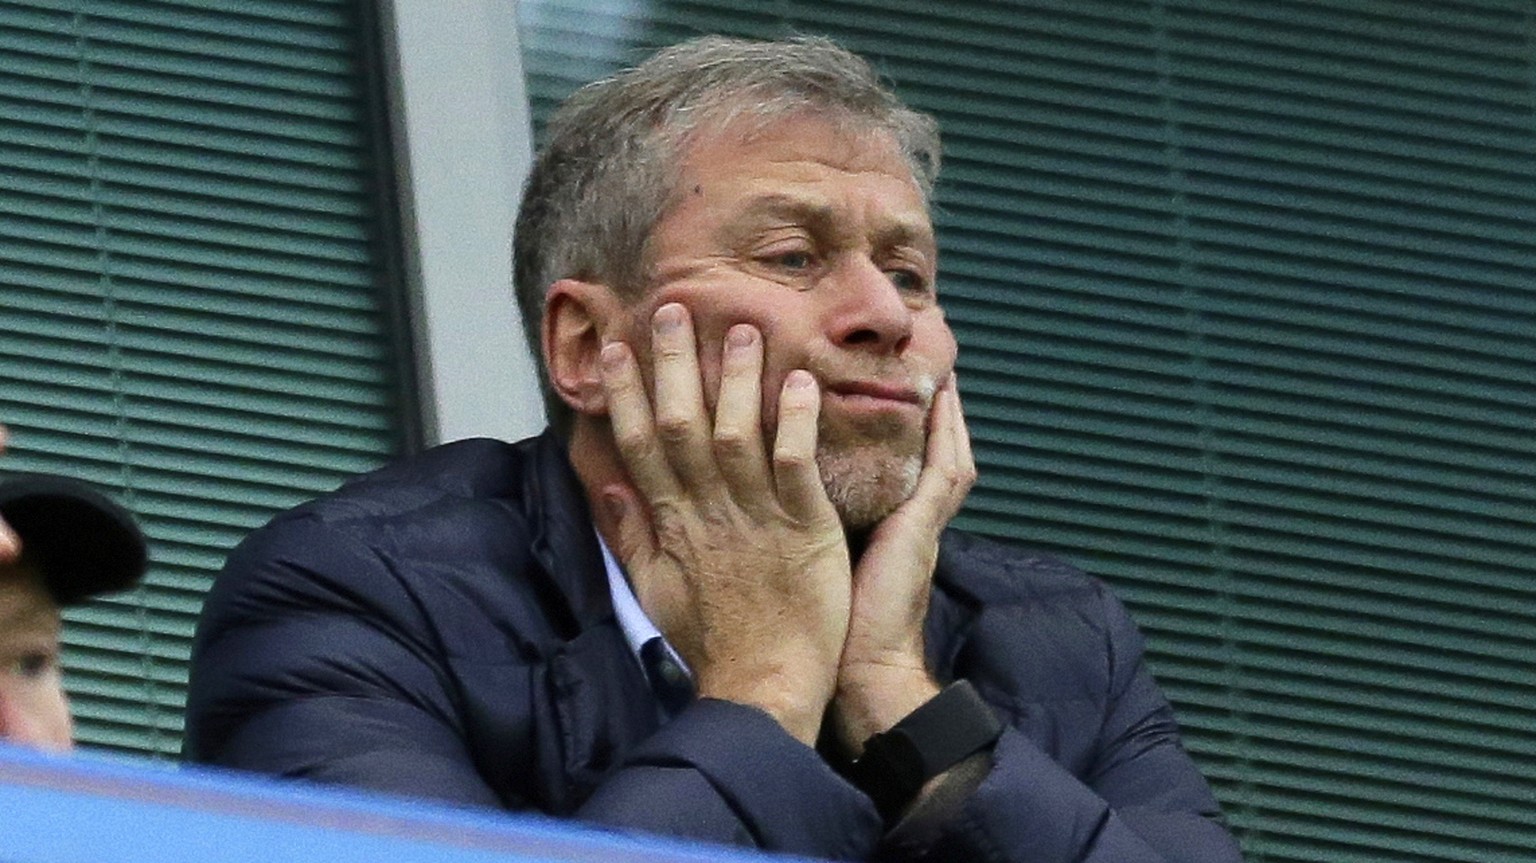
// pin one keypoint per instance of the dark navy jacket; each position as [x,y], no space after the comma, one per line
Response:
[443,628]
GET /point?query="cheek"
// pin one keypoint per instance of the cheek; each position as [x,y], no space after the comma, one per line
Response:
[934,342]
[36,713]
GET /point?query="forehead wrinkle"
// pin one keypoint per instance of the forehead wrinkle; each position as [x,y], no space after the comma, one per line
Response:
[890,231]
[781,207]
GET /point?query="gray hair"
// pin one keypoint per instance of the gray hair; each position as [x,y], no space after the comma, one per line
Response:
[610,163]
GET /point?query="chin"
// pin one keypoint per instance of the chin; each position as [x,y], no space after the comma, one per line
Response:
[865,486]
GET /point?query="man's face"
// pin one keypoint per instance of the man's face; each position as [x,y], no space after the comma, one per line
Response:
[821,239]
[33,709]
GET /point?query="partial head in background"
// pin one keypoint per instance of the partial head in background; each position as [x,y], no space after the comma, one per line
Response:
[65,543]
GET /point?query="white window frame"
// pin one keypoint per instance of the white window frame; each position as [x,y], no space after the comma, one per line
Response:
[463,145]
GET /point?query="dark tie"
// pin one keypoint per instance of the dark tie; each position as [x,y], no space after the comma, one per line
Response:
[669,681]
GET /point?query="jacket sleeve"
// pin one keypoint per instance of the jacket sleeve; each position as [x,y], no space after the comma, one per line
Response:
[1142,800]
[312,661]
[726,772]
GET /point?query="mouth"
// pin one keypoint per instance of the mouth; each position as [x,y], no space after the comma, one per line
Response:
[877,396]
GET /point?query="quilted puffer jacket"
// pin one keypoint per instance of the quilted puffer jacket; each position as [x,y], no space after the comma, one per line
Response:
[442,628]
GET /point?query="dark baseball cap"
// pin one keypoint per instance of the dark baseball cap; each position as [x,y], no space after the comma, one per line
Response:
[81,542]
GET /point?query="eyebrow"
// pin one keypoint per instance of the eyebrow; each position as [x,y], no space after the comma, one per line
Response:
[33,612]
[891,233]
[30,618]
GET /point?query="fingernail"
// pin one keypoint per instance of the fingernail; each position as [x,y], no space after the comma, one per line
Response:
[612,355]
[741,336]
[668,318]
[799,379]
[10,543]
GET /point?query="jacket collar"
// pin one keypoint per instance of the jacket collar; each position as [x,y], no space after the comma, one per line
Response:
[593,690]
[564,542]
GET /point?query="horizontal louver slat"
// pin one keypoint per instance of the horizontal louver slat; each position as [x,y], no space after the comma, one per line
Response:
[1244,300]
[191,317]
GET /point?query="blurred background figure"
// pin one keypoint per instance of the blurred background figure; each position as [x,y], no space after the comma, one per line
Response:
[61,542]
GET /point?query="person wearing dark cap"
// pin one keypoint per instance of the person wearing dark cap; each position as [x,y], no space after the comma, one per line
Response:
[60,543]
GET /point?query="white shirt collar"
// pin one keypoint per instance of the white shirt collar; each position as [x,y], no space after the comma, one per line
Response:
[636,624]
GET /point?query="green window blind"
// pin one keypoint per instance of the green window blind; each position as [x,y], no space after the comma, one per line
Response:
[192,313]
[1246,298]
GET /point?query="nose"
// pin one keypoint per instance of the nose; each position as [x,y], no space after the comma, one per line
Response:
[869,312]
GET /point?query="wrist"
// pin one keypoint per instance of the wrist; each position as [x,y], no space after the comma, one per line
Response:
[895,765]
[870,703]
[795,701]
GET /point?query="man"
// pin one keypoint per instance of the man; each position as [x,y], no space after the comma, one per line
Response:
[60,542]
[719,600]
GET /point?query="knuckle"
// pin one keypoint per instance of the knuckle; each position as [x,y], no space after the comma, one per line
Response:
[668,351]
[631,440]
[963,474]
[715,514]
[685,529]
[671,529]
[798,400]
[796,403]
[954,479]
[791,458]
[667,514]
[730,441]
[673,427]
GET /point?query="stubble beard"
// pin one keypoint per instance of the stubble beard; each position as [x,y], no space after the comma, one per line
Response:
[869,472]
[867,487]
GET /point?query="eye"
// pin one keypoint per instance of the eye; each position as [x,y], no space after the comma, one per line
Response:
[35,665]
[908,281]
[795,260]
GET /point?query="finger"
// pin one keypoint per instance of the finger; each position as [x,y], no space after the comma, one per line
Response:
[738,432]
[965,459]
[800,490]
[948,466]
[10,543]
[682,423]
[634,432]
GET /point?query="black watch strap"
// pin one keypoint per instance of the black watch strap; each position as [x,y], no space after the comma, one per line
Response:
[939,734]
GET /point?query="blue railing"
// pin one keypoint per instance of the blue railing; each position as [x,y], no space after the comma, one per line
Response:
[87,808]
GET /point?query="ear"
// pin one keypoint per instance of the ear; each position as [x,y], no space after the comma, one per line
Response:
[576,316]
